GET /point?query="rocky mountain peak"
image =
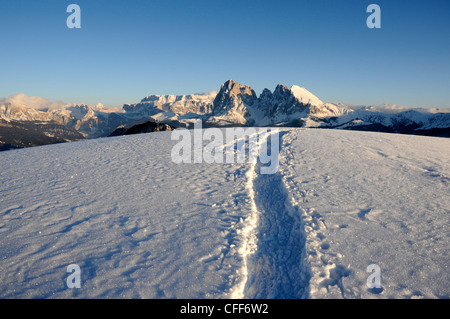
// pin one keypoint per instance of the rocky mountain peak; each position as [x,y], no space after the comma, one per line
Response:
[232,88]
[234,97]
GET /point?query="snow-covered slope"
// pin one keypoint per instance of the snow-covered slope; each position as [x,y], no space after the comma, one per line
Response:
[304,96]
[141,226]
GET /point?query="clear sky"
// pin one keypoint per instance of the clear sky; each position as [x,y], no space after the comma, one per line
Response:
[126,50]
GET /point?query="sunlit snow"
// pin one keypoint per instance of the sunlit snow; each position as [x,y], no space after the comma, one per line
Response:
[141,226]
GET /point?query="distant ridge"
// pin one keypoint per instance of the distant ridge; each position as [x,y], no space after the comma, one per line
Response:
[234,104]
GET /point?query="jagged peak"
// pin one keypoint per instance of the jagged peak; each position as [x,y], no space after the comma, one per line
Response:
[234,88]
[281,88]
[265,94]
[231,89]
[229,83]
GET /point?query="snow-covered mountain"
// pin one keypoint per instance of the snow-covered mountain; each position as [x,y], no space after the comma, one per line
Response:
[234,104]
[23,126]
[291,106]
[239,104]
[182,104]
[388,118]
[9,111]
[90,121]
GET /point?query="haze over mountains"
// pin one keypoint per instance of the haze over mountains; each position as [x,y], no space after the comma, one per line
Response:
[46,122]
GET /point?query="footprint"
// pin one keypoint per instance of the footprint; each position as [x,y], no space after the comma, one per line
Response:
[335,276]
[375,290]
[362,213]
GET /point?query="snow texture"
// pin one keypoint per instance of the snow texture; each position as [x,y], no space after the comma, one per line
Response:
[141,226]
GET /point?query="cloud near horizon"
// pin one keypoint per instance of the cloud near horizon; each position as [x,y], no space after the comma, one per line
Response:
[34,102]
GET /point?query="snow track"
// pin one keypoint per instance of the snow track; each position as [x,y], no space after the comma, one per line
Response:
[275,240]
[277,269]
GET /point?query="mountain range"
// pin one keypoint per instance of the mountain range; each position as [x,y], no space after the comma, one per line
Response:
[234,104]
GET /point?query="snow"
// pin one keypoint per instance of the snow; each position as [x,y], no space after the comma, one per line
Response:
[171,98]
[199,103]
[372,198]
[141,226]
[304,96]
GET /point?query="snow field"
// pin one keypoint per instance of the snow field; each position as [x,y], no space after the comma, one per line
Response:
[371,198]
[138,225]
[141,226]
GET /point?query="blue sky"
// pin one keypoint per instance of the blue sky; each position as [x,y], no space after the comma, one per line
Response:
[126,50]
